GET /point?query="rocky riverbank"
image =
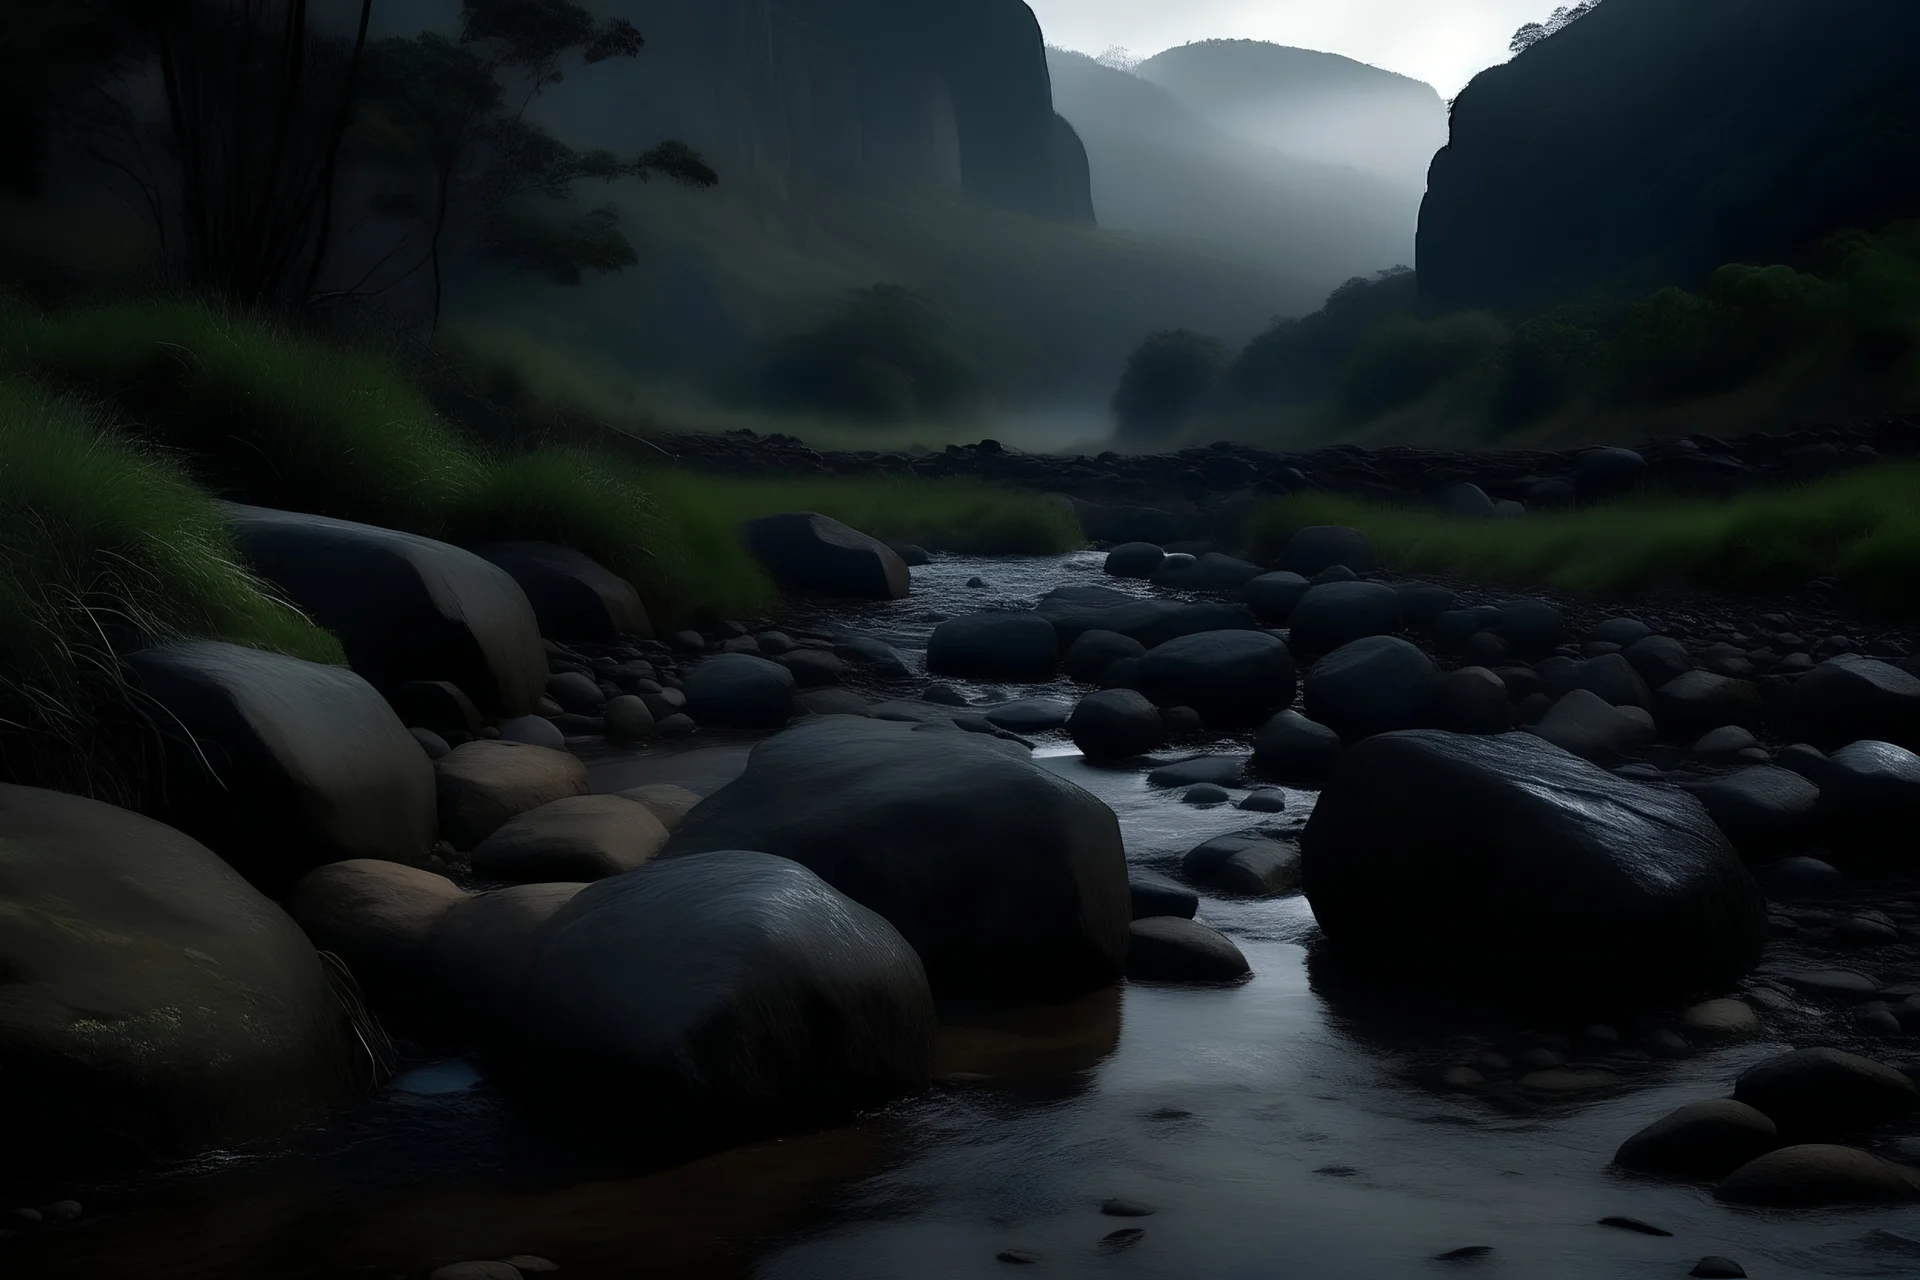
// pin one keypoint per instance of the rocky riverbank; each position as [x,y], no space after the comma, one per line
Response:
[1185,489]
[1540,854]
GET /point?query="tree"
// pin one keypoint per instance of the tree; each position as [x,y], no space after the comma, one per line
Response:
[446,126]
[1168,379]
[1562,18]
[235,159]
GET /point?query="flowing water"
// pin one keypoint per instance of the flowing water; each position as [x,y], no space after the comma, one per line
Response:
[1278,1129]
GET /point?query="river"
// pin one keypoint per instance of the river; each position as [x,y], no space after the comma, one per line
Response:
[1279,1129]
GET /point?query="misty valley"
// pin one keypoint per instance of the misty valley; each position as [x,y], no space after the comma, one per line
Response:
[823,639]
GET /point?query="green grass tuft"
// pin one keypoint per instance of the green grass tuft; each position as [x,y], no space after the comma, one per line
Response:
[259,411]
[1862,528]
[105,546]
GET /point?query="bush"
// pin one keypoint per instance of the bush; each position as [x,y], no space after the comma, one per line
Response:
[107,547]
[1168,379]
[887,355]
[1402,361]
[1298,361]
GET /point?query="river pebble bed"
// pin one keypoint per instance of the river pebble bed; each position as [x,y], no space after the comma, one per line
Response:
[1285,1127]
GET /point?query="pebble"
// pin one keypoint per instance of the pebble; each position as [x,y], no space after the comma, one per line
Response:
[1466,1253]
[1019,1257]
[1124,1238]
[1634,1224]
[1268,800]
[1723,1017]
[1205,793]
[977,584]
[1714,1267]
[1117,1208]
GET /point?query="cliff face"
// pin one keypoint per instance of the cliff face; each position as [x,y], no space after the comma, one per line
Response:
[781,93]
[1651,142]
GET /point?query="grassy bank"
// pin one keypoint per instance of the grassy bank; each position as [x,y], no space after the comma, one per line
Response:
[103,546]
[271,415]
[1862,528]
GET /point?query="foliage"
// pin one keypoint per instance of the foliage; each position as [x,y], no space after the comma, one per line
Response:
[1404,360]
[1295,361]
[1168,378]
[1862,527]
[105,546]
[1562,18]
[458,157]
[887,354]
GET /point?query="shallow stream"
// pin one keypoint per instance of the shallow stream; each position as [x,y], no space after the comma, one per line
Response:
[1278,1129]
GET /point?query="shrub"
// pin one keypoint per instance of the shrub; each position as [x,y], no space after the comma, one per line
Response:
[888,354]
[1405,360]
[1169,378]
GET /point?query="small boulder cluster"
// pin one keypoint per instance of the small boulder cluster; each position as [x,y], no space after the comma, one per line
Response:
[1782,1139]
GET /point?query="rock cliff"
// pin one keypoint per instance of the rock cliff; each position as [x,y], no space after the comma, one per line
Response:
[951,93]
[1651,142]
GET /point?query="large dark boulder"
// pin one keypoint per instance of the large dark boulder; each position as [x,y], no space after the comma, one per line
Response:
[1816,1095]
[1074,611]
[1227,676]
[1174,949]
[734,990]
[1336,613]
[155,1004]
[1509,860]
[1371,686]
[1116,724]
[1093,652]
[1760,131]
[1701,1140]
[1869,794]
[283,765]
[813,554]
[995,646]
[1586,725]
[1295,750]
[1850,698]
[1133,560]
[1007,879]
[740,691]
[405,607]
[1701,701]
[377,918]
[1272,596]
[576,598]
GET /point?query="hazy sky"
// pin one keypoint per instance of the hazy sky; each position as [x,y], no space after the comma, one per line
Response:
[1443,42]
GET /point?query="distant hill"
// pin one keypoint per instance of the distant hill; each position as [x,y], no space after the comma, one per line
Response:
[1660,140]
[1158,167]
[1312,106]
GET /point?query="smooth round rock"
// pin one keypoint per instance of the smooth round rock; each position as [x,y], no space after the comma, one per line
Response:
[1227,676]
[1173,949]
[1372,686]
[1820,1094]
[739,691]
[1246,864]
[1134,560]
[1021,647]
[1115,724]
[1153,896]
[1338,613]
[1819,1176]
[1701,1140]
[1089,657]
[1319,547]
[1295,750]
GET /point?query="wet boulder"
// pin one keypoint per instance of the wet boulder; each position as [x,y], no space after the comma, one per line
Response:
[1526,868]
[734,991]
[1249,864]
[1153,896]
[579,838]
[1116,724]
[576,599]
[1699,702]
[1700,1140]
[740,691]
[156,1005]
[1850,699]
[1209,572]
[1007,879]
[1333,614]
[282,765]
[1613,678]
[377,917]
[483,784]
[1095,651]
[1009,646]
[405,607]
[1320,547]
[1273,596]
[1593,729]
[1660,660]
[1869,795]
[1227,676]
[478,949]
[1820,1094]
[1029,715]
[1766,811]
[812,554]
[1074,611]
[1295,750]
[1134,560]
[1471,700]
[1819,1176]
[1173,949]
[1371,686]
